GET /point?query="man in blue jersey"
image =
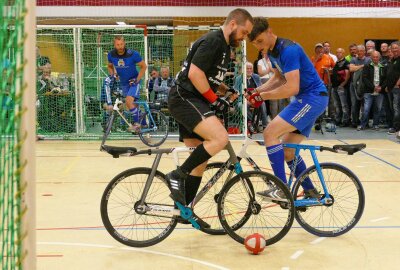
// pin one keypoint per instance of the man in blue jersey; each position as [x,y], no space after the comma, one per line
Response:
[294,75]
[122,62]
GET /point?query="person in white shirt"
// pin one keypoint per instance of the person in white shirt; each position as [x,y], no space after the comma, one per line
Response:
[327,50]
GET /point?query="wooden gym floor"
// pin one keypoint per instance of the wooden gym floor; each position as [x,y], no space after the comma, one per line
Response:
[71,177]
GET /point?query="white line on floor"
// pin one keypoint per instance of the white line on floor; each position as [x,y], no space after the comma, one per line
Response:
[379,219]
[318,240]
[136,250]
[285,268]
[296,255]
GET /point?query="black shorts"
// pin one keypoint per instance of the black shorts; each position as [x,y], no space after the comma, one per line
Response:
[188,110]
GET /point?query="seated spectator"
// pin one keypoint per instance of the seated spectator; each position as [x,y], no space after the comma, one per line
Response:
[162,85]
[340,79]
[373,79]
[153,76]
[42,62]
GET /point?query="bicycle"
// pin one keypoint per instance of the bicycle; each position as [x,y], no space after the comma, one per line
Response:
[152,126]
[311,213]
[137,210]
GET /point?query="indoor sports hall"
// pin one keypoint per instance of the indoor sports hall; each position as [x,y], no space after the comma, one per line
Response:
[90,137]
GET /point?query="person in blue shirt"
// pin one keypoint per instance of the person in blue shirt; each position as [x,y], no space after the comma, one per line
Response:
[294,75]
[122,62]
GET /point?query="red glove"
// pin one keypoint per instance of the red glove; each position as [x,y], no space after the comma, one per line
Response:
[256,100]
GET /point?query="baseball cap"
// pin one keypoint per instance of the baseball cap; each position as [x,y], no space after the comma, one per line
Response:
[318,45]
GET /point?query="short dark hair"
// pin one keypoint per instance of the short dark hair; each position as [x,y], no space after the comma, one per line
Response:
[352,45]
[260,25]
[240,15]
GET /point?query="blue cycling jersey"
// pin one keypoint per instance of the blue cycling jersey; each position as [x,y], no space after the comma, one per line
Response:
[125,64]
[287,56]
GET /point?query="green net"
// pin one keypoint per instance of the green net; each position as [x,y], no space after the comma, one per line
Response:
[73,65]
[11,49]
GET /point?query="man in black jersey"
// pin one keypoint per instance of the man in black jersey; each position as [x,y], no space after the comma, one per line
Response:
[193,102]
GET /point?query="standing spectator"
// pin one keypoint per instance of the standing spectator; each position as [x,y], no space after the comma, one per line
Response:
[162,85]
[356,64]
[327,50]
[264,67]
[384,53]
[340,89]
[369,45]
[322,62]
[393,87]
[253,81]
[373,79]
[352,52]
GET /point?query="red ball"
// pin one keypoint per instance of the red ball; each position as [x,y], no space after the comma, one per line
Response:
[255,243]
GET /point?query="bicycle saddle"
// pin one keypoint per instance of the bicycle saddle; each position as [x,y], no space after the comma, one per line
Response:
[349,148]
[117,151]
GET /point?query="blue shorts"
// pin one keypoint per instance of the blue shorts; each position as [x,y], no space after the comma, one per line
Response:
[132,91]
[304,111]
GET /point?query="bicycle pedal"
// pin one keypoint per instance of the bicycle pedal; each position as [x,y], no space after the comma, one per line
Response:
[187,214]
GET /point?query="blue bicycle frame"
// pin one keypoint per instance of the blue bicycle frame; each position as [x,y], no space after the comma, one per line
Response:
[312,148]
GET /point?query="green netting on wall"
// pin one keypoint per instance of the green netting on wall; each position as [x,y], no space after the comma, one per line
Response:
[11,50]
[73,65]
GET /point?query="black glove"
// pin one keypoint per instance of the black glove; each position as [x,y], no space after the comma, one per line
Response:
[221,105]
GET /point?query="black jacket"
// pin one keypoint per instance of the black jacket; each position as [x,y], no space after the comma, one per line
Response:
[393,73]
[368,77]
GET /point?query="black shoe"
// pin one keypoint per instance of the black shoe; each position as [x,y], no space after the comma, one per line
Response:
[176,183]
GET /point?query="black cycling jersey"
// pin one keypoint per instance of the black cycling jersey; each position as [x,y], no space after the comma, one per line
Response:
[211,54]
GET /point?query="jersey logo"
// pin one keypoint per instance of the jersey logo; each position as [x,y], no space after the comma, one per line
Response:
[121,63]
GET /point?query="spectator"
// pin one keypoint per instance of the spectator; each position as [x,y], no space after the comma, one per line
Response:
[352,52]
[373,79]
[390,53]
[42,62]
[153,76]
[340,87]
[369,52]
[370,45]
[393,87]
[162,85]
[356,64]
[384,53]
[253,81]
[327,50]
[264,67]
[322,63]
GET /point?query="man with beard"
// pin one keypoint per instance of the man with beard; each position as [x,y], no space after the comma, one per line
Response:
[122,62]
[294,76]
[193,102]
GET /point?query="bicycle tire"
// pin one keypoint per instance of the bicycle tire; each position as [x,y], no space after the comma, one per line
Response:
[207,207]
[158,193]
[307,217]
[278,220]
[157,137]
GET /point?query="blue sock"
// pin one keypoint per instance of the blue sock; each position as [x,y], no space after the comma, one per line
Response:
[135,114]
[277,159]
[301,167]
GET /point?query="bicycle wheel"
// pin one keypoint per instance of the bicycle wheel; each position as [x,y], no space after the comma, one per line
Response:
[118,212]
[153,133]
[343,213]
[108,127]
[243,213]
[207,208]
